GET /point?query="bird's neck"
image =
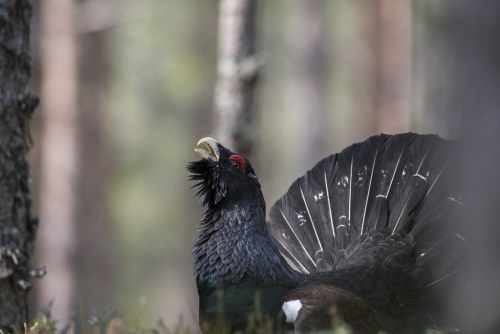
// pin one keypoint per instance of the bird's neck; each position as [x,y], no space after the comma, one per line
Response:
[232,246]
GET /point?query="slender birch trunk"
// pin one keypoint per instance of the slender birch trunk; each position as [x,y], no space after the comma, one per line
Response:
[237,67]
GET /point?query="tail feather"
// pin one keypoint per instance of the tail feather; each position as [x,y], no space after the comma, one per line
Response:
[411,197]
[306,218]
[393,182]
[379,216]
[289,240]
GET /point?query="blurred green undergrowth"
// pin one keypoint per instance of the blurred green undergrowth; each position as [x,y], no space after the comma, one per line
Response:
[110,322]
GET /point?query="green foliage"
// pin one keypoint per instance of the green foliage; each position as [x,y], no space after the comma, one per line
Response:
[162,57]
[103,322]
[110,322]
[42,324]
[449,330]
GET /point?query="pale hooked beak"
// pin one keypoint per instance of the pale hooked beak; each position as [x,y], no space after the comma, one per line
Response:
[213,149]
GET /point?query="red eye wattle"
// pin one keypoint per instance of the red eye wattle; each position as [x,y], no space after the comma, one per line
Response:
[238,162]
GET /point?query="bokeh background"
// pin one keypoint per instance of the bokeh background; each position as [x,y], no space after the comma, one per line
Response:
[126,91]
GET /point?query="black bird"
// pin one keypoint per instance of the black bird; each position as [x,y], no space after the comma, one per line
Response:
[369,232]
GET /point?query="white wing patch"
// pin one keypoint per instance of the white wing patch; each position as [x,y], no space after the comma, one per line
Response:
[291,309]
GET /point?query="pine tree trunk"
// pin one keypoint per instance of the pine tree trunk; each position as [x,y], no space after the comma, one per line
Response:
[393,66]
[59,160]
[472,31]
[306,86]
[387,30]
[459,76]
[93,270]
[17,228]
[236,75]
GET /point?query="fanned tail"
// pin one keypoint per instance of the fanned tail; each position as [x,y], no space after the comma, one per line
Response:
[387,183]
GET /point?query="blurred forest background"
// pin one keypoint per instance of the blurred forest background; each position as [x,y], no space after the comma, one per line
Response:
[127,89]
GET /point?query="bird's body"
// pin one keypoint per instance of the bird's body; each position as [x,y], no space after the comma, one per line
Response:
[367,229]
[237,265]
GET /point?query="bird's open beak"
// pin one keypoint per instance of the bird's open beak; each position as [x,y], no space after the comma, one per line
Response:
[213,150]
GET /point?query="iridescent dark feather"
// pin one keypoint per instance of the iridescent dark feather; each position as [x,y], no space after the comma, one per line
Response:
[234,257]
[372,231]
[398,182]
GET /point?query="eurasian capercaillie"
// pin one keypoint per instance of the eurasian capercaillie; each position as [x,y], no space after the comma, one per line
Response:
[369,232]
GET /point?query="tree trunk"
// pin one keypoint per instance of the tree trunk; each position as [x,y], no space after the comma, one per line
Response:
[472,34]
[459,80]
[93,271]
[393,70]
[59,155]
[388,30]
[236,75]
[305,108]
[17,227]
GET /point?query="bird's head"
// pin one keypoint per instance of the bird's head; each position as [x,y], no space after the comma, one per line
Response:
[224,175]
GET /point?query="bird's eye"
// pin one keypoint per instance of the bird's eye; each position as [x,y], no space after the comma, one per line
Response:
[238,162]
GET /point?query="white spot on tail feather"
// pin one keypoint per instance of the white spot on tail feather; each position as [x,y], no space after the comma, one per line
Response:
[310,218]
[291,309]
[421,176]
[318,196]
[460,237]
[296,237]
[455,200]
[329,205]
[394,174]
[350,189]
[368,192]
